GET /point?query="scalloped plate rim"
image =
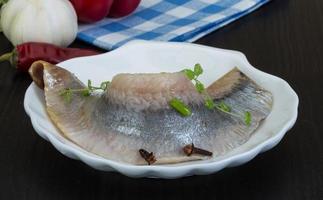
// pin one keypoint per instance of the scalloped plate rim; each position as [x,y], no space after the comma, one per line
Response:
[165,171]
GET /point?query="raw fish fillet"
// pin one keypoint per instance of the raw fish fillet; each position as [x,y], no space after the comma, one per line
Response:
[134,114]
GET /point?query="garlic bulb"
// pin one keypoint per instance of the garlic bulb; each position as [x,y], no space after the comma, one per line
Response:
[50,21]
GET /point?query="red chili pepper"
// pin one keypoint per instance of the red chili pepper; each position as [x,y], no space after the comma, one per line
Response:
[91,10]
[25,54]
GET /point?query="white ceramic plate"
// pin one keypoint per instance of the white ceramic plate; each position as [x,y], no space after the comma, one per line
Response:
[141,56]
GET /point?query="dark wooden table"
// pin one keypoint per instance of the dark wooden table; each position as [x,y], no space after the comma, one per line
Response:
[284,38]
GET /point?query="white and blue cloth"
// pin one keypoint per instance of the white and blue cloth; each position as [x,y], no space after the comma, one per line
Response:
[167,20]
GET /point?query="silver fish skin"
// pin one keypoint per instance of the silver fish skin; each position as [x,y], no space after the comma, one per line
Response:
[104,124]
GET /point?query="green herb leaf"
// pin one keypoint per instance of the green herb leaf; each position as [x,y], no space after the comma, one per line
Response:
[209,103]
[223,106]
[180,107]
[198,69]
[199,86]
[89,84]
[67,95]
[247,118]
[86,92]
[104,85]
[189,74]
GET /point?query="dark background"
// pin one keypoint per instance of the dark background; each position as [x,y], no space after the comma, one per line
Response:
[284,38]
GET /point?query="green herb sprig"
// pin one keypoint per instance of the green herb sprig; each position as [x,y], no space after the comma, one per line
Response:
[208,101]
[193,75]
[247,118]
[68,92]
[180,107]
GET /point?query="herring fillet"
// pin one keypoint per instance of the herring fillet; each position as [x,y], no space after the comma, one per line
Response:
[132,116]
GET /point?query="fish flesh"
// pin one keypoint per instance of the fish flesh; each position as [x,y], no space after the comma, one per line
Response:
[134,113]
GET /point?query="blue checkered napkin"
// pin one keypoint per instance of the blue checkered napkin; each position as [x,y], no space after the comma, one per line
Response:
[167,20]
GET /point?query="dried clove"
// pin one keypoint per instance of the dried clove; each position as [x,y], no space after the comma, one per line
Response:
[149,157]
[191,149]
